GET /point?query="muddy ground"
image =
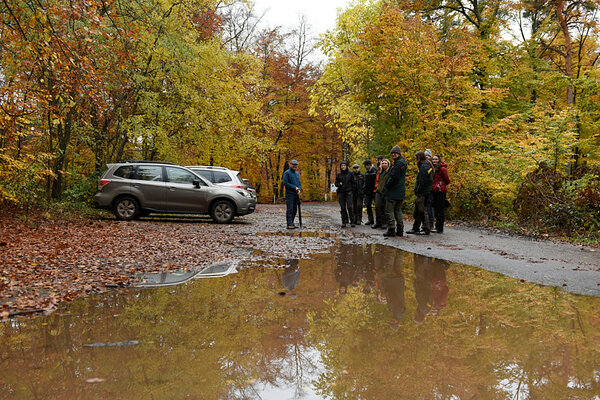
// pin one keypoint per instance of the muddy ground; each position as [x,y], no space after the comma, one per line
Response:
[46,262]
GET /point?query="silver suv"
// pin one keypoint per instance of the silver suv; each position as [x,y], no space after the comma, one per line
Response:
[223,177]
[135,188]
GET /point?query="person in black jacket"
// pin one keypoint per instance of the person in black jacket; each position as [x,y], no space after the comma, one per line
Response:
[423,187]
[370,178]
[358,194]
[344,181]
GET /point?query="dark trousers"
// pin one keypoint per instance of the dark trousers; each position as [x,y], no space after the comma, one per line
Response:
[357,207]
[420,214]
[439,207]
[380,217]
[393,213]
[429,205]
[345,200]
[369,197]
[291,203]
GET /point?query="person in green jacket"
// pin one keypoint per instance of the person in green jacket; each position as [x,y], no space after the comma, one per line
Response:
[394,192]
[423,186]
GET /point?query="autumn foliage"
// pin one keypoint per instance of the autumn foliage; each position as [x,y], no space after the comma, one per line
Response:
[497,88]
[88,83]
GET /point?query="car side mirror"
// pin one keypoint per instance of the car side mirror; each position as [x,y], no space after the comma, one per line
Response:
[196,183]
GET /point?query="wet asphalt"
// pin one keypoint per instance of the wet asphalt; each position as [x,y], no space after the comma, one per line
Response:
[575,268]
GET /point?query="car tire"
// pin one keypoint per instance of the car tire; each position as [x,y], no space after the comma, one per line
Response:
[222,212]
[126,208]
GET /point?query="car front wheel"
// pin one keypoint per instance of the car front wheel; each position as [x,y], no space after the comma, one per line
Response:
[126,209]
[222,212]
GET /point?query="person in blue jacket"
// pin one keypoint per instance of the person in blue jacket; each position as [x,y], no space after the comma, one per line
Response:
[293,188]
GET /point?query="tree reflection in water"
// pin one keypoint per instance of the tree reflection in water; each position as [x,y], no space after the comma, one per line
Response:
[369,322]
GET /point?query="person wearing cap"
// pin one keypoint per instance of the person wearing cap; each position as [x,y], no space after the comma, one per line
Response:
[379,202]
[394,192]
[344,181]
[293,188]
[358,194]
[370,187]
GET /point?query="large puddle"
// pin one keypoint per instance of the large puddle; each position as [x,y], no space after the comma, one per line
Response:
[360,322]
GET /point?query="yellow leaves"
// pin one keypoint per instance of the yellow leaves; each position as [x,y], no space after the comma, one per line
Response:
[47,173]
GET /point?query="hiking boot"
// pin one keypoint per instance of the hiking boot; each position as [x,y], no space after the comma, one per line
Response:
[421,233]
[411,232]
[352,225]
[375,226]
[390,233]
[369,223]
[291,226]
[399,232]
[343,224]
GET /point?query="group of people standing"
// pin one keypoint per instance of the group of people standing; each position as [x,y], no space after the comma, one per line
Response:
[385,187]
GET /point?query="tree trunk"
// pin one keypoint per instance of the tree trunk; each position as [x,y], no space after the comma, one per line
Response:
[560,4]
[64,131]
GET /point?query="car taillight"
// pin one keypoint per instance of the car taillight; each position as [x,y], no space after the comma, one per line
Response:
[239,186]
[103,182]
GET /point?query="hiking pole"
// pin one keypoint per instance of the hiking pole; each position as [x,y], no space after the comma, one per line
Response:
[299,210]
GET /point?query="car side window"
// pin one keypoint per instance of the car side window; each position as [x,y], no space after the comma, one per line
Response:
[221,177]
[126,171]
[208,175]
[178,175]
[149,173]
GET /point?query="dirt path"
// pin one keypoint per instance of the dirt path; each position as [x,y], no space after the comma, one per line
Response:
[575,268]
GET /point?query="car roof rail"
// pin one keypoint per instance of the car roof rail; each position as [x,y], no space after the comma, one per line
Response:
[146,162]
[207,167]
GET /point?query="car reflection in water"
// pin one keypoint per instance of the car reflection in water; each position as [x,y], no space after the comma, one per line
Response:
[163,279]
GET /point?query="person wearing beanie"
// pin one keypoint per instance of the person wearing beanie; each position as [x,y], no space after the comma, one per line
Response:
[394,192]
[428,154]
[370,186]
[440,184]
[358,194]
[293,188]
[344,181]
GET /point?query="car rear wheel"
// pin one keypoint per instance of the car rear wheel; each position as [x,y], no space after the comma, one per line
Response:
[126,209]
[222,212]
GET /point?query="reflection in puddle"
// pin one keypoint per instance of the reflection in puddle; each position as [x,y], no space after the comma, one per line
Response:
[368,322]
[159,279]
[162,279]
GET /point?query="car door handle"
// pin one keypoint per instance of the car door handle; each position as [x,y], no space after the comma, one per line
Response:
[172,188]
